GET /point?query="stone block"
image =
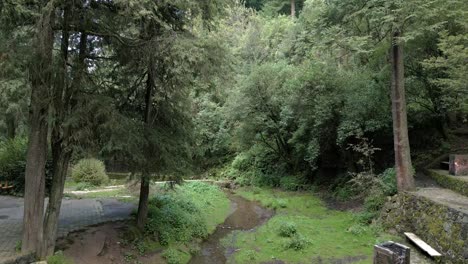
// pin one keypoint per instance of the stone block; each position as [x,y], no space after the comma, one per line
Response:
[458,165]
[391,253]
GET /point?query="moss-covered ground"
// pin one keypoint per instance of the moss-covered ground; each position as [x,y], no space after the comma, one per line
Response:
[316,234]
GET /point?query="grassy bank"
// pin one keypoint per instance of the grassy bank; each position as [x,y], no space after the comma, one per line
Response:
[302,231]
[179,219]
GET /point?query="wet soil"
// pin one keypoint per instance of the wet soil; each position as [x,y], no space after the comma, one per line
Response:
[246,215]
[102,244]
[99,244]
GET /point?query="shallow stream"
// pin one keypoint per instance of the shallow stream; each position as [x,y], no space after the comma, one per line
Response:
[246,215]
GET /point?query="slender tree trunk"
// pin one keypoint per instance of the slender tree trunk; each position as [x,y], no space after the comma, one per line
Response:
[142,215]
[36,158]
[11,125]
[61,163]
[404,170]
[293,8]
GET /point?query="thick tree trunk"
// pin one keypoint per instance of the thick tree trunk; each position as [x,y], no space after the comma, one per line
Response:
[61,145]
[404,170]
[36,158]
[293,8]
[142,215]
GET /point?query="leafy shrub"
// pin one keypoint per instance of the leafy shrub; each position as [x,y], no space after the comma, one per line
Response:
[173,256]
[90,171]
[287,229]
[282,203]
[242,162]
[388,181]
[297,242]
[172,219]
[291,183]
[13,164]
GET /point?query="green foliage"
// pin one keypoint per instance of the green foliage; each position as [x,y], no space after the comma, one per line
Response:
[297,242]
[175,220]
[58,258]
[90,171]
[291,183]
[318,230]
[12,158]
[287,229]
[191,211]
[388,182]
[173,256]
[13,164]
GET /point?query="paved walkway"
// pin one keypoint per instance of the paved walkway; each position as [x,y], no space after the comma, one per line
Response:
[75,215]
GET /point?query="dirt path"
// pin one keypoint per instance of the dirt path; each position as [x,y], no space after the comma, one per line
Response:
[246,215]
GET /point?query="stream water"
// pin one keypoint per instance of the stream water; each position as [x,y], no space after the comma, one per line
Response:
[245,215]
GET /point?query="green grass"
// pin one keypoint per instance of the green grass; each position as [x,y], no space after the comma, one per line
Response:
[317,231]
[58,258]
[207,206]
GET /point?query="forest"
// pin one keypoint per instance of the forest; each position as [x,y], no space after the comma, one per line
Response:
[315,111]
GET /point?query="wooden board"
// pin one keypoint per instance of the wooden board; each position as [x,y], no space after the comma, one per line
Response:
[423,245]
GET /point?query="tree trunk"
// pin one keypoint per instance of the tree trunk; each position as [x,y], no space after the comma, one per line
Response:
[142,215]
[40,72]
[61,163]
[61,145]
[60,158]
[11,125]
[404,169]
[293,8]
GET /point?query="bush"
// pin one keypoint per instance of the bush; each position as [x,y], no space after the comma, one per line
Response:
[297,242]
[287,229]
[389,183]
[173,256]
[174,219]
[90,171]
[242,162]
[13,164]
[291,183]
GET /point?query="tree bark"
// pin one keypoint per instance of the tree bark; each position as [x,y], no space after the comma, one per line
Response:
[293,8]
[60,141]
[404,169]
[142,215]
[11,125]
[40,72]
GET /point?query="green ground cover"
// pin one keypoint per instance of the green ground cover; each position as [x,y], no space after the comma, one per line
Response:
[303,230]
[184,216]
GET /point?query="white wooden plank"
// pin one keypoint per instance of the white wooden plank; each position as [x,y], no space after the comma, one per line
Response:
[423,245]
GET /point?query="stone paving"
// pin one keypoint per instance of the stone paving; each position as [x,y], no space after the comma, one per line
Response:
[74,215]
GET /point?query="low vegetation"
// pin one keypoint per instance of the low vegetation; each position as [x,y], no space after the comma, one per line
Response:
[179,218]
[302,231]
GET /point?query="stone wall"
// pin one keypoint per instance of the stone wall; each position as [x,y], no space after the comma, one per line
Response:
[444,228]
[453,183]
